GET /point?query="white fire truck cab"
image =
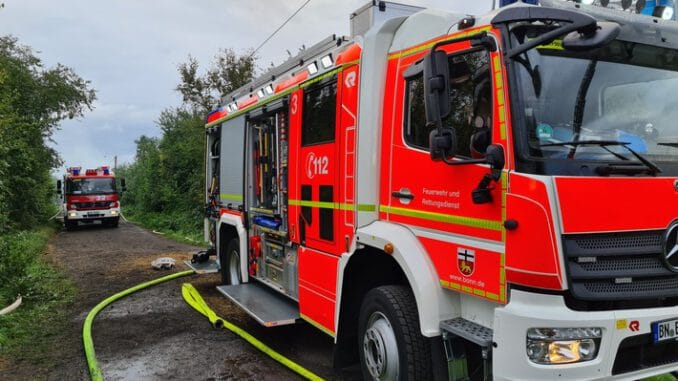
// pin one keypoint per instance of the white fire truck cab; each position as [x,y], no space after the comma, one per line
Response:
[459,197]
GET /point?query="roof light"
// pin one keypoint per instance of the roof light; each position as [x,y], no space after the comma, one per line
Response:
[269,89]
[260,93]
[105,170]
[312,68]
[663,11]
[75,171]
[326,61]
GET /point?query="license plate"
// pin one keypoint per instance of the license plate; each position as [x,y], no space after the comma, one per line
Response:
[664,330]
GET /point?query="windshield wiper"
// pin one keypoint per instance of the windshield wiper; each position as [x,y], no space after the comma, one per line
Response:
[611,168]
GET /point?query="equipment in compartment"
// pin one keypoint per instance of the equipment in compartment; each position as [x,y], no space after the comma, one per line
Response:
[272,259]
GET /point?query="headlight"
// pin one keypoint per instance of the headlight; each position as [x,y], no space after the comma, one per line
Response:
[114,212]
[552,346]
[72,214]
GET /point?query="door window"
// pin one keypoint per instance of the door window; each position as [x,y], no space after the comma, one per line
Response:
[471,105]
[320,104]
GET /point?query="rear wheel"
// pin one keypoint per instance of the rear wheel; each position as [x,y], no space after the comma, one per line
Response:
[230,263]
[389,337]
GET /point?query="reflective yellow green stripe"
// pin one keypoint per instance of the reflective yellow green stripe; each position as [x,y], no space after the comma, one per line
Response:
[320,77]
[231,196]
[366,208]
[446,218]
[491,296]
[417,49]
[274,97]
[333,205]
[316,324]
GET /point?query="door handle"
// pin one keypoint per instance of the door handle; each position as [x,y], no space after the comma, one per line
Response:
[400,194]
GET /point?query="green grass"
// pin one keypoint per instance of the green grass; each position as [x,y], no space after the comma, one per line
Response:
[45,290]
[177,226]
[663,377]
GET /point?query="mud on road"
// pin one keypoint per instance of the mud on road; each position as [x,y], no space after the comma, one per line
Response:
[153,334]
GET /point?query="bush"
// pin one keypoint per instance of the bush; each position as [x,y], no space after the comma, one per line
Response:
[44,289]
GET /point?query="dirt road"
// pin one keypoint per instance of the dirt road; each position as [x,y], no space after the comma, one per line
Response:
[154,334]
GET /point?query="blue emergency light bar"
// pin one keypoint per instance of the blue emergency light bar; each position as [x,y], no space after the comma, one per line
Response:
[663,9]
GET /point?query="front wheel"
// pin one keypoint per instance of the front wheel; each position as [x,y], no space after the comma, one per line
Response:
[230,263]
[70,225]
[389,337]
[114,222]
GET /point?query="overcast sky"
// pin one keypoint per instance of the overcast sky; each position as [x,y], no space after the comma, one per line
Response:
[130,49]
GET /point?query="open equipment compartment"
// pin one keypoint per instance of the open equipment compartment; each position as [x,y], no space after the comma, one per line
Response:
[272,259]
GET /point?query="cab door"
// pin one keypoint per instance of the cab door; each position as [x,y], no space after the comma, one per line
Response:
[316,140]
[463,239]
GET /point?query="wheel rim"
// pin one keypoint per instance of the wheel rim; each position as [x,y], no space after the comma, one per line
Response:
[380,348]
[234,267]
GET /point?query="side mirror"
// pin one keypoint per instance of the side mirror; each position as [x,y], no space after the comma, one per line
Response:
[443,143]
[603,34]
[436,82]
[122,184]
[58,186]
[495,156]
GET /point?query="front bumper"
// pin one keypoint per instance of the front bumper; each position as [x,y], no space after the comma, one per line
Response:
[532,310]
[86,215]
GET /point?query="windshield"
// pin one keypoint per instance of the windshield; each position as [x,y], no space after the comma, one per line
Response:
[625,92]
[90,186]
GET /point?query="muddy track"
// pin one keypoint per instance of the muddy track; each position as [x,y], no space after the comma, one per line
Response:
[154,334]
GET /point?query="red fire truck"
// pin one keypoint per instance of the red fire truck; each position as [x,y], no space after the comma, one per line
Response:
[461,197]
[89,196]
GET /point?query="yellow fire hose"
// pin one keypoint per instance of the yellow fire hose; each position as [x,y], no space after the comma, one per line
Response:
[193,298]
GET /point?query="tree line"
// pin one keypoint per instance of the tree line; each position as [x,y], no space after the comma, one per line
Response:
[33,101]
[165,183]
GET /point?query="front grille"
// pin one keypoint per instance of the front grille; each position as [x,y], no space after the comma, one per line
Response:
[618,266]
[618,241]
[638,352]
[92,205]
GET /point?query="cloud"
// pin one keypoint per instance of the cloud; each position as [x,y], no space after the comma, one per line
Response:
[130,50]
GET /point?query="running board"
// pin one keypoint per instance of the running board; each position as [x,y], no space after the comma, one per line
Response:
[208,267]
[266,306]
[469,330]
[455,331]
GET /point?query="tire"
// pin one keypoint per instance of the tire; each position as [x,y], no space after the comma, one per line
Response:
[70,225]
[229,260]
[389,337]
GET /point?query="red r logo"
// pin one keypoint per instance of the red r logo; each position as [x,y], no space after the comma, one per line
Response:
[634,325]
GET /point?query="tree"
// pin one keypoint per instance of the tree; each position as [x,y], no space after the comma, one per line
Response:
[167,175]
[33,100]
[227,72]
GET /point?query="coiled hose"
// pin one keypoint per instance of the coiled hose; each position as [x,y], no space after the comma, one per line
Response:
[193,298]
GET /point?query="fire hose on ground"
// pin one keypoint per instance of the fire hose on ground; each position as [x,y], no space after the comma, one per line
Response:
[193,298]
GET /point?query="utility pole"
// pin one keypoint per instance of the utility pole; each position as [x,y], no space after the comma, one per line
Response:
[115,163]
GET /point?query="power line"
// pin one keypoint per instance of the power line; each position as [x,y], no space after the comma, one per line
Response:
[280,27]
